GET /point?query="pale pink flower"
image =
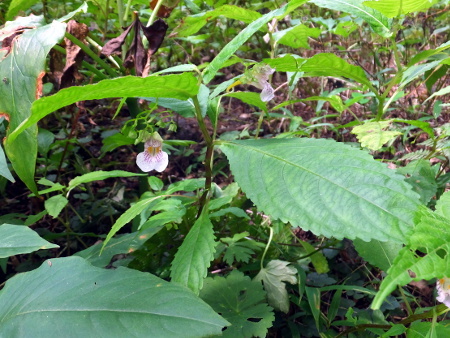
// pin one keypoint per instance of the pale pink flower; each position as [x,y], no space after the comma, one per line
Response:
[443,289]
[153,158]
[258,76]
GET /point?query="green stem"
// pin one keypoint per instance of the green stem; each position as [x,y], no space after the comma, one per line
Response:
[127,10]
[267,247]
[405,300]
[90,53]
[154,13]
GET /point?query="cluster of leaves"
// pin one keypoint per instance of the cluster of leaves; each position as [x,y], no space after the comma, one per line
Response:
[274,247]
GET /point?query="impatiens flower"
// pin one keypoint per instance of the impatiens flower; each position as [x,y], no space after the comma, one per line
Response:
[153,158]
[258,76]
[443,289]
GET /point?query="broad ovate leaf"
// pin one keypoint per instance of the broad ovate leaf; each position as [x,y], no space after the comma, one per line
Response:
[21,84]
[68,297]
[377,21]
[274,276]
[379,254]
[55,204]
[395,8]
[242,302]
[19,239]
[324,186]
[194,256]
[431,237]
[372,134]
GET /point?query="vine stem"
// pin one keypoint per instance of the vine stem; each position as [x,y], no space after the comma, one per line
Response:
[267,247]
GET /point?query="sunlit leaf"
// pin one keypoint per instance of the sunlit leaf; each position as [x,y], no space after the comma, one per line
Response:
[55,204]
[395,8]
[372,136]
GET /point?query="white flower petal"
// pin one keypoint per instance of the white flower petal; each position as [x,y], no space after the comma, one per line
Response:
[443,289]
[147,163]
[267,92]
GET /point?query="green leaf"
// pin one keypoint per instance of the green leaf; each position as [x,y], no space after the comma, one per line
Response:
[99,176]
[194,256]
[323,64]
[251,98]
[273,276]
[379,254]
[226,52]
[55,204]
[395,8]
[18,5]
[377,21]
[318,260]
[372,136]
[297,36]
[174,210]
[240,301]
[19,88]
[422,178]
[177,86]
[443,91]
[413,72]
[432,237]
[19,239]
[4,171]
[443,205]
[313,296]
[125,244]
[324,186]
[425,126]
[192,24]
[428,329]
[69,292]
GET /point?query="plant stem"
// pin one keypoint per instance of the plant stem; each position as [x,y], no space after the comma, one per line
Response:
[154,13]
[267,247]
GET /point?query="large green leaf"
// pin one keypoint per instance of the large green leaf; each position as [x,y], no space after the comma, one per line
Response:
[18,5]
[377,21]
[177,86]
[194,256]
[327,187]
[226,52]
[192,24]
[431,236]
[18,89]
[18,239]
[68,297]
[323,64]
[394,8]
[240,301]
[379,254]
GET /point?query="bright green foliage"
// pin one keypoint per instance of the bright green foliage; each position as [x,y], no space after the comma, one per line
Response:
[297,36]
[70,298]
[193,258]
[318,260]
[422,177]
[238,249]
[432,237]
[182,86]
[427,329]
[372,134]
[274,276]
[250,98]
[241,302]
[323,64]
[443,205]
[192,24]
[18,90]
[379,254]
[314,183]
[18,5]
[55,204]
[395,8]
[18,239]
[125,244]
[377,21]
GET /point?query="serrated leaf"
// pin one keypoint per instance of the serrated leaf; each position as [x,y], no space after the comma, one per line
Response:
[19,239]
[377,21]
[21,78]
[297,36]
[101,302]
[323,64]
[177,86]
[273,276]
[240,301]
[192,24]
[194,256]
[379,254]
[55,204]
[324,186]
[395,8]
[125,244]
[432,237]
[422,178]
[372,136]
[239,252]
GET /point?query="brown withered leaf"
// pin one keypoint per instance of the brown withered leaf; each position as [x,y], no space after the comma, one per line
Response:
[136,55]
[166,8]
